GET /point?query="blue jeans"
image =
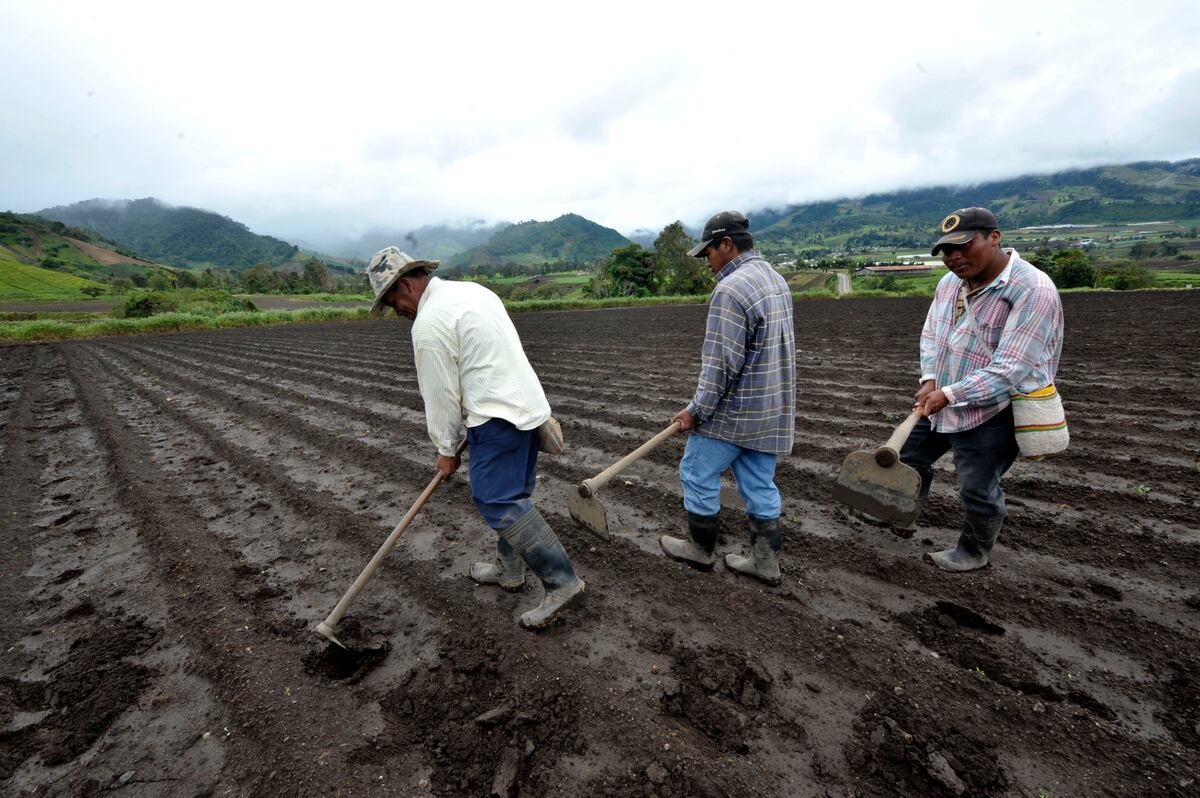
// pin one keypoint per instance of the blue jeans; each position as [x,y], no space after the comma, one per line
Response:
[981,456]
[503,469]
[705,459]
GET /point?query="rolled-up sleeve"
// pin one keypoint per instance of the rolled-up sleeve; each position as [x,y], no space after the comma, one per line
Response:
[723,355]
[438,378]
[929,344]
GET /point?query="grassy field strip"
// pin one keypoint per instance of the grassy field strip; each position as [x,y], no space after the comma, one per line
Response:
[20,281]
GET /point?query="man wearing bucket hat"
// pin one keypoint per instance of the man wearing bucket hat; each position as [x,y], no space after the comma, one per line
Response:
[742,416]
[966,382]
[472,372]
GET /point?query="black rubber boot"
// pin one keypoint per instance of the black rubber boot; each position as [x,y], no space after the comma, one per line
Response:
[697,550]
[507,570]
[535,541]
[763,562]
[974,544]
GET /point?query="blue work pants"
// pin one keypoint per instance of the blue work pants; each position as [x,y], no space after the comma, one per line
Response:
[705,459]
[503,469]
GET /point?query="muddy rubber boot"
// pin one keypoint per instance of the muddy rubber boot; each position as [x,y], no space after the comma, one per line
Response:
[974,544]
[697,550]
[536,543]
[763,562]
[507,570]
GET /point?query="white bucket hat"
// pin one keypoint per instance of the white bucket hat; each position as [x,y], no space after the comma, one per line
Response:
[388,265]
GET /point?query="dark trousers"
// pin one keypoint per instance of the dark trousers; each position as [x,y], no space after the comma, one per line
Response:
[981,457]
[503,470]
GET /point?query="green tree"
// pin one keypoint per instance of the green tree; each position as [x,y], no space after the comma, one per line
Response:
[683,275]
[1070,268]
[1141,250]
[629,271]
[259,278]
[314,276]
[159,282]
[1125,276]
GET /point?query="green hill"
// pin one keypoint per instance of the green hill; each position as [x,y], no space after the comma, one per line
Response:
[185,237]
[1138,192]
[55,248]
[569,240]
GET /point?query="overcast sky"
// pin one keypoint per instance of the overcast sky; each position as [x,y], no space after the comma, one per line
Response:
[321,120]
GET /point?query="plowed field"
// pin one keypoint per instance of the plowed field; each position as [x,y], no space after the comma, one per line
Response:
[178,513]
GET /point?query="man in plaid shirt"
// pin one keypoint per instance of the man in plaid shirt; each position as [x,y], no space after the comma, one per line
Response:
[743,412]
[965,385]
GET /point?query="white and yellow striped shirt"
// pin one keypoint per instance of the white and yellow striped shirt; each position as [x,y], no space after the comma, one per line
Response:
[470,364]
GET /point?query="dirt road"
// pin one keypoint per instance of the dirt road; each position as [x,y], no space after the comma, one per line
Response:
[180,511]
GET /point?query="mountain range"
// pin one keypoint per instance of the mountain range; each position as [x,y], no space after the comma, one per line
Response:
[195,238]
[1137,192]
[178,236]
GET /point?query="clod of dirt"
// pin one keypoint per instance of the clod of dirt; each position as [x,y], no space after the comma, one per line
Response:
[474,710]
[1090,703]
[67,576]
[348,665]
[718,691]
[942,773]
[81,610]
[1193,601]
[505,778]
[1105,590]
[900,750]
[968,618]
[494,716]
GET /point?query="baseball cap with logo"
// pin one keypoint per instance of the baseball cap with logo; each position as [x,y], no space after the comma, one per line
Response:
[961,226]
[723,224]
[388,265]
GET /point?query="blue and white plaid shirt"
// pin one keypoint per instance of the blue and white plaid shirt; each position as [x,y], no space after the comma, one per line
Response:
[747,389]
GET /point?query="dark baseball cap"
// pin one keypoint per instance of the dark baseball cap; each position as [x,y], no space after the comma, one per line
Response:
[723,224]
[961,226]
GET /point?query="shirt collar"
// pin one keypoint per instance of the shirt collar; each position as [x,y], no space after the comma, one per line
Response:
[733,265]
[1005,274]
[433,281]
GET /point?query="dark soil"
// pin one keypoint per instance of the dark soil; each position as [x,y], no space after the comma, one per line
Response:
[179,513]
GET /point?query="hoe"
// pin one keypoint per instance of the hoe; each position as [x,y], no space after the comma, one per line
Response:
[326,626]
[585,508]
[878,484]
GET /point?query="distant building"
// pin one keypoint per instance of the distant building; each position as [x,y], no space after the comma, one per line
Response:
[905,270]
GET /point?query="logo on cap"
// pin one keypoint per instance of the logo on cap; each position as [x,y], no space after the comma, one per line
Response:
[950,222]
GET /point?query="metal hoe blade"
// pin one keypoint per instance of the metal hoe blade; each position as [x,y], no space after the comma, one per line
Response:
[587,510]
[325,630]
[891,493]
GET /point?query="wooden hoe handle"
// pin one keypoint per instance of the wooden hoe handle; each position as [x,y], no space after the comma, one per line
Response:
[589,487]
[385,549]
[888,454]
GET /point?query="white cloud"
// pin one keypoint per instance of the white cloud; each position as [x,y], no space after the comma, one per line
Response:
[309,120]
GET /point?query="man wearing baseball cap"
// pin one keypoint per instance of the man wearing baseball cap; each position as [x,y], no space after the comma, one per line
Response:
[969,370]
[473,373]
[742,416]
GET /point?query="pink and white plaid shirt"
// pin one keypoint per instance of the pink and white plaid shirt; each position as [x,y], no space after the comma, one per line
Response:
[1021,317]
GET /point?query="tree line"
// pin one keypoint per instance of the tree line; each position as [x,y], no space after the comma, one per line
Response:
[261,278]
[665,270]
